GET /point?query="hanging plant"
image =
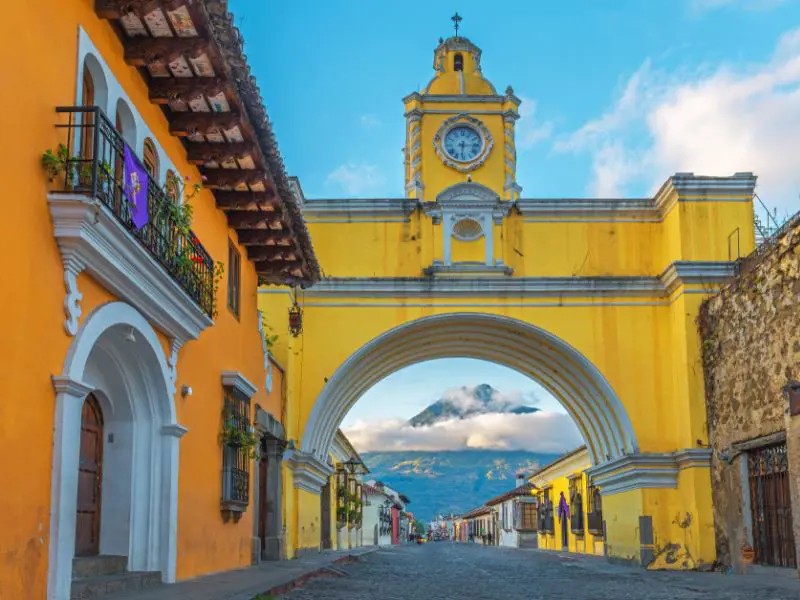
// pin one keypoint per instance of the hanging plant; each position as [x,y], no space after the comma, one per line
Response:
[341,517]
[270,337]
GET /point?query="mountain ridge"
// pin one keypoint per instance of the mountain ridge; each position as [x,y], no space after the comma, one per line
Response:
[451,481]
[469,401]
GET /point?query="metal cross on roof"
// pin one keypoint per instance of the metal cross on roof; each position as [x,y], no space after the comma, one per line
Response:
[456,19]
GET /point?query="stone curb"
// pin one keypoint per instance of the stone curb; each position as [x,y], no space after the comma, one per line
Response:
[326,571]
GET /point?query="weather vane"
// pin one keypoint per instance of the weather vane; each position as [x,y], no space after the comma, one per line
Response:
[456,19]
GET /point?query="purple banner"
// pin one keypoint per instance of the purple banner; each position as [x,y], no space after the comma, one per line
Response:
[563,507]
[134,184]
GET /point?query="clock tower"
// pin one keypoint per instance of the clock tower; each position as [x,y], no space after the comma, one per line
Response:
[459,129]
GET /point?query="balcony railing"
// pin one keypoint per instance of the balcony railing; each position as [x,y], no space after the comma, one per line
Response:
[94,166]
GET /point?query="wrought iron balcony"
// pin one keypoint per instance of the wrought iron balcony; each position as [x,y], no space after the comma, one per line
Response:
[93,165]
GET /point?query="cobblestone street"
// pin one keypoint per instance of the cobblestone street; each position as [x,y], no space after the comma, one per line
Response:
[442,570]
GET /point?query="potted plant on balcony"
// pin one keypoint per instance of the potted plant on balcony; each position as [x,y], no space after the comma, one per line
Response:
[55,164]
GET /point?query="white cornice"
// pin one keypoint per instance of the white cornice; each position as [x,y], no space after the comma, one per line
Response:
[238,381]
[682,273]
[488,284]
[310,474]
[358,208]
[92,239]
[680,187]
[465,99]
[71,387]
[647,470]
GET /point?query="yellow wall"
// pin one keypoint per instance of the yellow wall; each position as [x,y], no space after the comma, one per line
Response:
[644,345]
[42,63]
[585,544]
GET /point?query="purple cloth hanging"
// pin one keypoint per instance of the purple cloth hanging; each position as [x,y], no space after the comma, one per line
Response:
[563,508]
[134,184]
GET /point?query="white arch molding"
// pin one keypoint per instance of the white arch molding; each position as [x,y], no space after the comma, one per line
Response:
[560,368]
[117,356]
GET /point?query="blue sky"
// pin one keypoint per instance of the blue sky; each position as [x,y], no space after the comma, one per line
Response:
[617,95]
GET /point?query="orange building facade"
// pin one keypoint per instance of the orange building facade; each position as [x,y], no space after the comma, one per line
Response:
[134,357]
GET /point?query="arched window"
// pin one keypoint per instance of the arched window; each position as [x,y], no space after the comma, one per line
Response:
[150,156]
[87,99]
[458,62]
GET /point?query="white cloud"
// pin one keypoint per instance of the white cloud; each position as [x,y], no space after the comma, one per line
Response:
[530,130]
[370,121]
[357,178]
[713,123]
[546,432]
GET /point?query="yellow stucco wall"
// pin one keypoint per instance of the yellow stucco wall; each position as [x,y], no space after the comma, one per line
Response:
[644,344]
[33,345]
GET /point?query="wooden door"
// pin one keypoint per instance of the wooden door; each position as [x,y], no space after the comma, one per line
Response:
[773,536]
[263,502]
[325,515]
[90,479]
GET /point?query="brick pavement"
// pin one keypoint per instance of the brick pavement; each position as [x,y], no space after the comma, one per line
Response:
[441,571]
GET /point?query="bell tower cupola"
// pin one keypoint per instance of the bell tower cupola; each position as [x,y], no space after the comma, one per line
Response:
[458,128]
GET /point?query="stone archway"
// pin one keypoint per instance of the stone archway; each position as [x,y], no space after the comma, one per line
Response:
[565,372]
[117,357]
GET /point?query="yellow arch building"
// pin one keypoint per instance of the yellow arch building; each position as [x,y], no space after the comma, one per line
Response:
[594,298]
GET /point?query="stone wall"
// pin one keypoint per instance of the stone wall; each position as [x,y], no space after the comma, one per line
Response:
[751,348]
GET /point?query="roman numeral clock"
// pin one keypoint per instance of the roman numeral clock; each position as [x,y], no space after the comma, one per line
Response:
[463,143]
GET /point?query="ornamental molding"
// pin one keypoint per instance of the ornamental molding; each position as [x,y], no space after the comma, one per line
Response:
[354,208]
[483,285]
[487,142]
[465,99]
[647,470]
[234,379]
[310,474]
[174,430]
[469,270]
[269,425]
[682,273]
[91,239]
[680,188]
[468,194]
[468,219]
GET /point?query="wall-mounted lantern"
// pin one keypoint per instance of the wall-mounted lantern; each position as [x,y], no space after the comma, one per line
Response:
[792,392]
[295,319]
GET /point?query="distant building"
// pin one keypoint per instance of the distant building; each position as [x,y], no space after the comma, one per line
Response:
[515,516]
[385,520]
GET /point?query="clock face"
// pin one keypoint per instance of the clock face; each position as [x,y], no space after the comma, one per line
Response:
[463,143]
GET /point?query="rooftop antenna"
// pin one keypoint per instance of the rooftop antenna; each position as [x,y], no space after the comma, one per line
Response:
[456,19]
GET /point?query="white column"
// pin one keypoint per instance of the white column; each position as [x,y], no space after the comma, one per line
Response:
[169,551]
[70,395]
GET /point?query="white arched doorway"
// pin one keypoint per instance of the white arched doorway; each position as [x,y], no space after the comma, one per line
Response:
[117,357]
[565,372]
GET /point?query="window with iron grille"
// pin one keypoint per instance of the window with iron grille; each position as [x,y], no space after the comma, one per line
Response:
[594,510]
[341,497]
[527,515]
[546,521]
[576,505]
[236,459]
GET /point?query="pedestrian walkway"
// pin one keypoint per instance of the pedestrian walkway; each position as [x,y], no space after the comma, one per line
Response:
[268,578]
